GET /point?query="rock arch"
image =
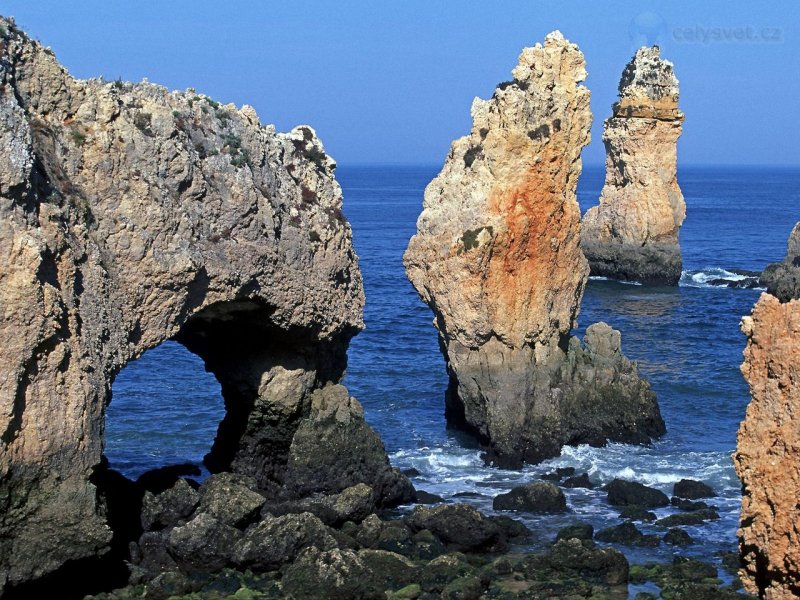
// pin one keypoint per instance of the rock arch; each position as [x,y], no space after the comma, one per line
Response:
[130,215]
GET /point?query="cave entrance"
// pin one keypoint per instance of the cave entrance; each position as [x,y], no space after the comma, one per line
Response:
[165,410]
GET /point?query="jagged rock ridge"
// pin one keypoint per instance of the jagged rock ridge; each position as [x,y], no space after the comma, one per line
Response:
[632,234]
[130,215]
[497,258]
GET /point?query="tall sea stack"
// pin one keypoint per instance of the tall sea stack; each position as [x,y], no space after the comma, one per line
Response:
[497,258]
[767,457]
[130,215]
[632,235]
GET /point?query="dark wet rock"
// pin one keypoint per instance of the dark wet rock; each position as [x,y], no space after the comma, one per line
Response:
[573,557]
[684,504]
[203,544]
[782,279]
[511,529]
[323,574]
[748,283]
[335,449]
[411,472]
[170,507]
[627,534]
[351,504]
[468,495]
[426,545]
[392,570]
[230,499]
[683,579]
[151,555]
[442,570]
[626,493]
[678,537]
[275,542]
[565,471]
[166,585]
[539,497]
[410,592]
[695,517]
[463,588]
[459,526]
[551,477]
[423,497]
[580,481]
[692,490]
[579,531]
[637,513]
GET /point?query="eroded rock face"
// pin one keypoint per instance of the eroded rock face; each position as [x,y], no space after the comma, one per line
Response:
[632,234]
[767,457]
[783,279]
[497,258]
[130,215]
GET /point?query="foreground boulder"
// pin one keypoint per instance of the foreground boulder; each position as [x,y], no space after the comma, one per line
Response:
[632,234]
[767,457]
[459,526]
[130,215]
[497,258]
[783,279]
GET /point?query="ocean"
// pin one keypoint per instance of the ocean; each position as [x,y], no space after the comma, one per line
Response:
[686,340]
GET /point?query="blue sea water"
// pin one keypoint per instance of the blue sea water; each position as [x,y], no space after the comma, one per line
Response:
[686,340]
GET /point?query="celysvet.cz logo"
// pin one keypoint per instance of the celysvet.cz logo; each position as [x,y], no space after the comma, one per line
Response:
[752,34]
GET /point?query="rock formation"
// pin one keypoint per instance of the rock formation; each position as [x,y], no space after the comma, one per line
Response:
[783,279]
[632,234]
[767,457]
[130,215]
[497,258]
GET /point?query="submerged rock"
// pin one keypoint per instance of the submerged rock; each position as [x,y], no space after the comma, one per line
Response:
[783,279]
[497,258]
[626,534]
[131,215]
[632,234]
[767,457]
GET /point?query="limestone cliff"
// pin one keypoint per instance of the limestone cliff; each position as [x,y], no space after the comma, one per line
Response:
[130,215]
[497,258]
[767,455]
[783,279]
[632,234]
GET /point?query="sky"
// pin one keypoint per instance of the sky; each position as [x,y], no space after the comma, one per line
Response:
[392,82]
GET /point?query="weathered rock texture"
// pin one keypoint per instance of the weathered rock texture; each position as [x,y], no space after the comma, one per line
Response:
[497,258]
[130,215]
[767,457]
[783,279]
[632,234]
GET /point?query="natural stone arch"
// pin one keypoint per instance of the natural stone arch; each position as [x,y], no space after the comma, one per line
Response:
[130,215]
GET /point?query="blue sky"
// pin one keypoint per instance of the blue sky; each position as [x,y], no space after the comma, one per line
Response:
[392,82]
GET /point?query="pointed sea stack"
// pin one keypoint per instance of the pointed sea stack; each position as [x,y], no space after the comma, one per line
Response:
[497,258]
[632,235]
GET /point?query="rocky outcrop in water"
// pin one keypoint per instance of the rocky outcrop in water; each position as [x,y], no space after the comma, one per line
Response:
[767,457]
[632,234]
[130,215]
[497,258]
[783,279]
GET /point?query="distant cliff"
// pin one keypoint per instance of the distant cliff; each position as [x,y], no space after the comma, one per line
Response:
[497,258]
[632,234]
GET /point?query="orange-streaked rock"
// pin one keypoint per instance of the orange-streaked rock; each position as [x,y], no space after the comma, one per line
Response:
[767,455]
[497,258]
